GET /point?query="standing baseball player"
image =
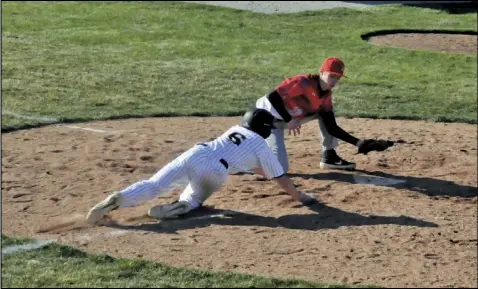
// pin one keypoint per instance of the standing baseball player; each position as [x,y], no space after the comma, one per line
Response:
[303,98]
[204,168]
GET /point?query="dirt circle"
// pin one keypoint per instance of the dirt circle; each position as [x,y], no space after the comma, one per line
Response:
[420,231]
[436,41]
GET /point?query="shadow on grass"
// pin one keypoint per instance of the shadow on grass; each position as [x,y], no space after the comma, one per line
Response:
[456,7]
[367,36]
[321,217]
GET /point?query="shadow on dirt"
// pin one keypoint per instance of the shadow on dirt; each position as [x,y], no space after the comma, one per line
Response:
[321,217]
[424,185]
[367,36]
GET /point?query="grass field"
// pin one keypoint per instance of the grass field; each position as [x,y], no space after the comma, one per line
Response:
[63,266]
[77,61]
[95,60]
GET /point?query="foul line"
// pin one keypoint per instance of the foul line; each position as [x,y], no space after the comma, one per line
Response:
[52,120]
[86,128]
[38,118]
[33,245]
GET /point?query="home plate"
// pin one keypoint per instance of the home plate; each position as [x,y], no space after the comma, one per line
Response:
[224,214]
[377,181]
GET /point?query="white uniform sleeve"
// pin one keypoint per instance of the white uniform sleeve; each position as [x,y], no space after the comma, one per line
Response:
[269,163]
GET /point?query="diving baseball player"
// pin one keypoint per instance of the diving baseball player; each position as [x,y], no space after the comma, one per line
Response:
[204,168]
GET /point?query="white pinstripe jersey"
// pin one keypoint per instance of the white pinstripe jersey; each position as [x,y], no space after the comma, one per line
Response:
[245,149]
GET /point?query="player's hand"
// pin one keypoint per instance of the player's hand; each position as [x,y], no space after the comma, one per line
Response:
[295,131]
[294,126]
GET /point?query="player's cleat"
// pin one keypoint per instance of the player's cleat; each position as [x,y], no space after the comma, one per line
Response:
[330,160]
[112,202]
[169,211]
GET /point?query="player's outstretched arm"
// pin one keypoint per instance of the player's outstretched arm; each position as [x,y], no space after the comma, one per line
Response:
[328,117]
[272,169]
[289,187]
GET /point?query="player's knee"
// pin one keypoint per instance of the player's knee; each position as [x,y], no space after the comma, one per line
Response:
[192,200]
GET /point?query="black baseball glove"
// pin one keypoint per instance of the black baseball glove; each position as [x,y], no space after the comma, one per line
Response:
[374,145]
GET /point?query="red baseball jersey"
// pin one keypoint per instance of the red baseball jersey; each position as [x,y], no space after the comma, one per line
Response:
[302,96]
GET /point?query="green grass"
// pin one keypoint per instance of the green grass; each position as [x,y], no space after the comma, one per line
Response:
[78,61]
[63,266]
[96,60]
[7,241]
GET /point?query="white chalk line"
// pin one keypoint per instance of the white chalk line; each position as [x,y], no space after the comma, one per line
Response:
[37,118]
[52,120]
[33,245]
[87,129]
[36,244]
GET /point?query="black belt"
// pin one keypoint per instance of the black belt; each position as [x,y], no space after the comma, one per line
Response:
[223,161]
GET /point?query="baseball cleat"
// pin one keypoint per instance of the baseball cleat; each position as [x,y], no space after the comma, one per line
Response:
[330,160]
[169,211]
[112,202]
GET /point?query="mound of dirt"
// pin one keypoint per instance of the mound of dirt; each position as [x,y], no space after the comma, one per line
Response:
[443,42]
[407,217]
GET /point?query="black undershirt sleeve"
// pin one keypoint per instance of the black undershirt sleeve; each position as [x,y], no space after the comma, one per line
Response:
[276,101]
[332,128]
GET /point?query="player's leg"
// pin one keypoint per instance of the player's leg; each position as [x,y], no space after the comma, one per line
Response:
[276,142]
[330,158]
[206,179]
[173,175]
